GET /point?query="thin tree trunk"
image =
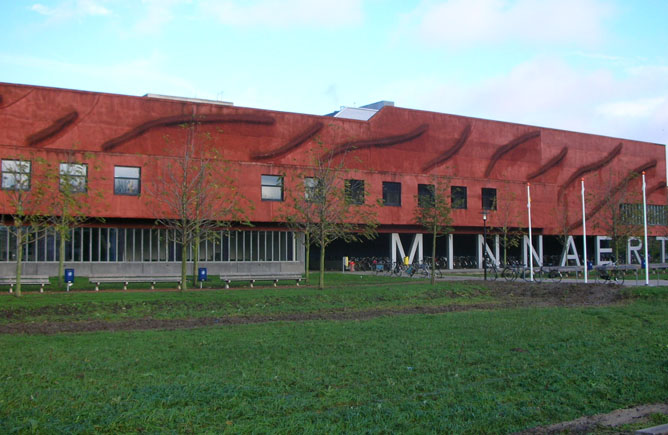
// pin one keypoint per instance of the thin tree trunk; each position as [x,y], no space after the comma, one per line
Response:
[61,257]
[307,260]
[184,261]
[19,260]
[321,281]
[195,257]
[433,258]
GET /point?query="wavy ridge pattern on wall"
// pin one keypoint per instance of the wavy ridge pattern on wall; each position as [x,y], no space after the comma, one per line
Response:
[185,119]
[590,168]
[56,127]
[658,186]
[615,190]
[15,101]
[509,147]
[379,142]
[554,161]
[450,152]
[292,144]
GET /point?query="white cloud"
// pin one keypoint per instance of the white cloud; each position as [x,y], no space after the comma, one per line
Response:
[158,13]
[469,22]
[71,9]
[548,92]
[640,108]
[286,13]
[134,76]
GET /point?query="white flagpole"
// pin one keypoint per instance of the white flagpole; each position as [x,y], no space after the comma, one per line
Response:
[530,238]
[644,213]
[584,232]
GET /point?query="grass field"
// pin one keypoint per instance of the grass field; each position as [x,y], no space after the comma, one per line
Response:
[493,371]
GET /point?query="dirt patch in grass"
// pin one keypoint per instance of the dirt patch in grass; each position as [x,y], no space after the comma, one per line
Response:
[615,422]
[508,295]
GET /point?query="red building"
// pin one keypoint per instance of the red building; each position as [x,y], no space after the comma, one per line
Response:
[127,142]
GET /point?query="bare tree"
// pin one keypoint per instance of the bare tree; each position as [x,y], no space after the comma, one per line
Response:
[434,213]
[323,207]
[195,197]
[25,195]
[71,197]
[617,210]
[508,216]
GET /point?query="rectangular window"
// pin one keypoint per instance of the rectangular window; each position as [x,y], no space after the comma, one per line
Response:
[355,191]
[127,180]
[488,198]
[311,190]
[391,193]
[16,175]
[632,214]
[426,195]
[272,188]
[458,197]
[73,177]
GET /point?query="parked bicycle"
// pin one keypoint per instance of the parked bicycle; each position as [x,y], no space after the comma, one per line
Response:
[610,274]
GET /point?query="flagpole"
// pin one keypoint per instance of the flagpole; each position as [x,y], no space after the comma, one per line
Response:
[644,213]
[584,232]
[530,238]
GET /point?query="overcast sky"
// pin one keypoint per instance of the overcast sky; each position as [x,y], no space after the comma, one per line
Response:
[585,65]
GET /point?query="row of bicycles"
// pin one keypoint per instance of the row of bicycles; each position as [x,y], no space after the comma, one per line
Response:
[514,270]
[609,273]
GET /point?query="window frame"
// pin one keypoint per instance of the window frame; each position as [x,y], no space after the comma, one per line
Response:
[456,203]
[485,198]
[267,186]
[16,174]
[426,195]
[354,191]
[77,187]
[390,193]
[311,189]
[127,192]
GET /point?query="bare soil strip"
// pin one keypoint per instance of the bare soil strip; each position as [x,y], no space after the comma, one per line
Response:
[604,423]
[510,295]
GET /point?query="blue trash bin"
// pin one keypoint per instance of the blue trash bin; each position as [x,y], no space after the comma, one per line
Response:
[69,278]
[69,275]
[201,274]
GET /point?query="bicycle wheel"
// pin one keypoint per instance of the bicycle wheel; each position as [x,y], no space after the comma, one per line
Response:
[617,276]
[492,274]
[509,274]
[424,272]
[538,275]
[601,276]
[555,275]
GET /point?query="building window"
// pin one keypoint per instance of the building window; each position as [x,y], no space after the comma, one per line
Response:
[354,191]
[16,175]
[488,198]
[311,191]
[272,188]
[391,193]
[426,196]
[73,177]
[127,180]
[458,197]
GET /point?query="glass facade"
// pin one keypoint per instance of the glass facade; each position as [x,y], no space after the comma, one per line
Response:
[149,245]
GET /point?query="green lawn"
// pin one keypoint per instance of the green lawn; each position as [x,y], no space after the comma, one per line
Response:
[345,293]
[475,371]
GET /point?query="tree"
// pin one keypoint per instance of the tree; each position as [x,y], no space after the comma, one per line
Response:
[325,208]
[194,195]
[25,197]
[434,214]
[617,210]
[71,198]
[508,215]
